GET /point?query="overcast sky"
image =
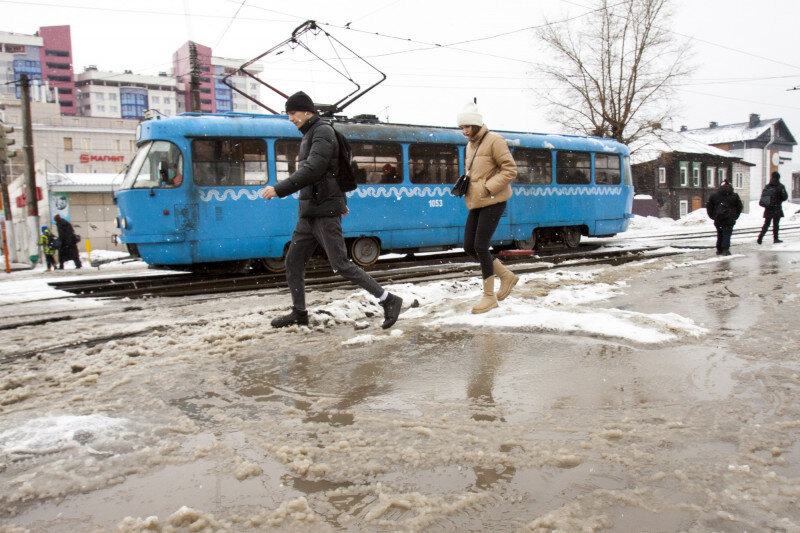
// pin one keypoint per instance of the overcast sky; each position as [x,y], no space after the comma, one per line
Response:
[747,54]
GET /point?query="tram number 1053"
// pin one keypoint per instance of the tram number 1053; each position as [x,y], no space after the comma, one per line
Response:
[435,203]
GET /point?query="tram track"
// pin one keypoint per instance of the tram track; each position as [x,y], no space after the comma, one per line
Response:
[391,271]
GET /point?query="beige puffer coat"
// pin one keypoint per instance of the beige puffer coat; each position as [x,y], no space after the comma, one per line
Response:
[492,171]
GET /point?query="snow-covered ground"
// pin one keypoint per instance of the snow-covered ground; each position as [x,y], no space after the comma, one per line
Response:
[653,395]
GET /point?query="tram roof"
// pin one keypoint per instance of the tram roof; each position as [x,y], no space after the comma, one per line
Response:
[246,125]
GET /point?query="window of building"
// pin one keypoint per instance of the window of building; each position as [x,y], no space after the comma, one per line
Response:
[696,174]
[112,97]
[69,168]
[67,144]
[534,167]
[573,168]
[167,100]
[64,90]
[662,176]
[98,96]
[710,172]
[157,164]
[86,144]
[738,180]
[14,49]
[62,66]
[684,208]
[101,108]
[378,162]
[606,169]
[132,145]
[116,144]
[154,99]
[65,103]
[113,108]
[57,53]
[59,78]
[229,162]
[721,175]
[684,167]
[286,152]
[433,163]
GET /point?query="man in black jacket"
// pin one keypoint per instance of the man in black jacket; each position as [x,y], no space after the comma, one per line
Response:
[68,249]
[724,207]
[322,205]
[773,212]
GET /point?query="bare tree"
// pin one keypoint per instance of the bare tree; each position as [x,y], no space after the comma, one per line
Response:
[613,70]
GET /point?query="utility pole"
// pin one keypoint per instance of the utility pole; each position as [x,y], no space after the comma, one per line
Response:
[32,199]
[5,154]
[194,79]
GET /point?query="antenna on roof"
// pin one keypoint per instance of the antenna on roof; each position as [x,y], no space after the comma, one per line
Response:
[294,42]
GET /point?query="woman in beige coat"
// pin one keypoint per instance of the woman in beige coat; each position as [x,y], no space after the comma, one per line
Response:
[491,170]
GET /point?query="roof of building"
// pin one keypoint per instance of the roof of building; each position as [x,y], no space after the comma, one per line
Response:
[83,182]
[655,144]
[731,133]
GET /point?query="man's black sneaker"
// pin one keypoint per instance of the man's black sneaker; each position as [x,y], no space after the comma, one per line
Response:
[760,238]
[391,310]
[776,240]
[295,317]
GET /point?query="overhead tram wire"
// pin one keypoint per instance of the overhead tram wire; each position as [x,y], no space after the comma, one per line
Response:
[230,22]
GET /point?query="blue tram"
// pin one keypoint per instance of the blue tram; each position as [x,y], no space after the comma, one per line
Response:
[190,197]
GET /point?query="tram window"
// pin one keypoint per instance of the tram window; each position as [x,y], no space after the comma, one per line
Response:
[433,163]
[229,162]
[286,153]
[606,169]
[534,167]
[378,162]
[157,164]
[573,168]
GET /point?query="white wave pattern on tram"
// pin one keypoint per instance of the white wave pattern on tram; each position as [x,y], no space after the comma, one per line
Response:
[567,191]
[422,192]
[214,194]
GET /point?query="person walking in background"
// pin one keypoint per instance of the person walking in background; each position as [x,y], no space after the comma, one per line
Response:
[724,208]
[68,247]
[772,199]
[48,243]
[321,207]
[491,169]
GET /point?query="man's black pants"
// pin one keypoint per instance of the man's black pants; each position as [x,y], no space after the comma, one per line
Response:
[327,232]
[776,221]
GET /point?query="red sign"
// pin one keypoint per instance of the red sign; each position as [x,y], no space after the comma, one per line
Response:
[22,199]
[89,158]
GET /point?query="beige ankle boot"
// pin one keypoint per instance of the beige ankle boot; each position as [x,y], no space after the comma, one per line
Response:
[507,279]
[487,301]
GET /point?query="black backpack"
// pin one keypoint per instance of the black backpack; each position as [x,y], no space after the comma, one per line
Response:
[52,241]
[769,197]
[723,210]
[348,169]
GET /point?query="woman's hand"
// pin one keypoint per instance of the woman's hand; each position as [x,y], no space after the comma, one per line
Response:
[268,192]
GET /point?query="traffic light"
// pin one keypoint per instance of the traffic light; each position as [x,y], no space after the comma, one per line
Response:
[5,153]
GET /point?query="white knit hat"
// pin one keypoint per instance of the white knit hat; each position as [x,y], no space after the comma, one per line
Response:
[469,116]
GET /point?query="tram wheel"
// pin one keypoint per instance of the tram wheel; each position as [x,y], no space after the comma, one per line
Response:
[529,243]
[272,264]
[572,236]
[365,251]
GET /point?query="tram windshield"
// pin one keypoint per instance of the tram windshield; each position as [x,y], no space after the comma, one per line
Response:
[157,164]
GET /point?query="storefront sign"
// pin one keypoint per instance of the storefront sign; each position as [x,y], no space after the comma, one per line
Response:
[90,158]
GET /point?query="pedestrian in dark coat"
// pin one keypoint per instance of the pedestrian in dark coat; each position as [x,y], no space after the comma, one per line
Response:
[773,213]
[724,208]
[68,249]
[322,205]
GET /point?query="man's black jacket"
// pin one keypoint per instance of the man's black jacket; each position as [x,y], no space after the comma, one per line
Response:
[315,177]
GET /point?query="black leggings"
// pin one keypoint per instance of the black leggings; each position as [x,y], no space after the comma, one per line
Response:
[478,231]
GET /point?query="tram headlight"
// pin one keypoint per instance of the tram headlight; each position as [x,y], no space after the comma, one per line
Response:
[123,223]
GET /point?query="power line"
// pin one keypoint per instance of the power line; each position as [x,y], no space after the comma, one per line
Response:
[229,24]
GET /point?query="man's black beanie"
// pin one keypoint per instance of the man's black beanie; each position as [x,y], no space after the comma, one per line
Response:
[300,101]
